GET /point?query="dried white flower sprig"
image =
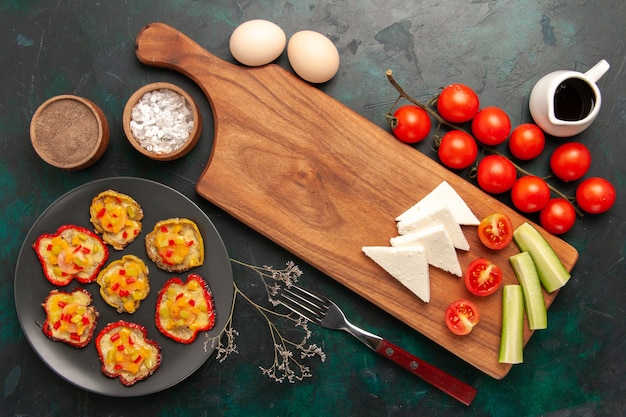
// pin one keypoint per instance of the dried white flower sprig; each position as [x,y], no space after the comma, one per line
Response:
[285,366]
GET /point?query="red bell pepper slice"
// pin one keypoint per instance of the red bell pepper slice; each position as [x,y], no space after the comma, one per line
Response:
[183,334]
[51,327]
[83,274]
[117,370]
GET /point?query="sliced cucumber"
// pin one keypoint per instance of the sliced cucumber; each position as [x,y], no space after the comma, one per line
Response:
[550,269]
[526,274]
[512,339]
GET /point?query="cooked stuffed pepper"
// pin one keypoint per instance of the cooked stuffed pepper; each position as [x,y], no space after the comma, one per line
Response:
[70,317]
[73,252]
[117,217]
[175,245]
[184,309]
[126,352]
[124,283]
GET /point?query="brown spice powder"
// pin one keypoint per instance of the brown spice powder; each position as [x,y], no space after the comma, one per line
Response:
[67,131]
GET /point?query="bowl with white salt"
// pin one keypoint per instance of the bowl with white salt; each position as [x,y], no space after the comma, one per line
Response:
[162,121]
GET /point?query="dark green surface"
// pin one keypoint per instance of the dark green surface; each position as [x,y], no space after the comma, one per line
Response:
[575,368]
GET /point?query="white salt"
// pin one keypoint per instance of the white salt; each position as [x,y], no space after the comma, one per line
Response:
[161,121]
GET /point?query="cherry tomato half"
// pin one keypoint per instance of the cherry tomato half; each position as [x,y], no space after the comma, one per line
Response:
[496,174]
[491,126]
[527,141]
[461,317]
[530,194]
[595,195]
[457,103]
[483,277]
[496,231]
[410,124]
[570,161]
[558,216]
[457,149]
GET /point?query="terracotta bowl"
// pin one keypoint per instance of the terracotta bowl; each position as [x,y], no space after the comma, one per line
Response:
[69,132]
[191,140]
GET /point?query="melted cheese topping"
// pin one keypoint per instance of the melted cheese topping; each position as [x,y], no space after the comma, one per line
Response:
[125,351]
[70,317]
[179,243]
[72,253]
[124,283]
[117,216]
[184,307]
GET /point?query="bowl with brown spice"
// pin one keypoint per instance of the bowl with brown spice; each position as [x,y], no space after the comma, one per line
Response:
[162,121]
[69,132]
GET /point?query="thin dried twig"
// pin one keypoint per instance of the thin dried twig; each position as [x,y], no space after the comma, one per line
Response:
[285,367]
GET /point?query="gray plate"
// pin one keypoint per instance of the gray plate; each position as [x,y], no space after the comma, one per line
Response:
[82,367]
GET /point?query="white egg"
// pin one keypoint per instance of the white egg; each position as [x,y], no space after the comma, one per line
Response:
[313,56]
[257,42]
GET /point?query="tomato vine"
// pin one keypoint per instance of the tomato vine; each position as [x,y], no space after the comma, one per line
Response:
[429,107]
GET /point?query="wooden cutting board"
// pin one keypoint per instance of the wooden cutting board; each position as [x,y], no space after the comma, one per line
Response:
[322,181]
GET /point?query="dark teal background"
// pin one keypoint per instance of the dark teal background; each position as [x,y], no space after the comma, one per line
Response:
[500,48]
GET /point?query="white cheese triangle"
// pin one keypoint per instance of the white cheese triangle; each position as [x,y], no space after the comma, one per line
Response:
[429,216]
[408,264]
[439,249]
[445,193]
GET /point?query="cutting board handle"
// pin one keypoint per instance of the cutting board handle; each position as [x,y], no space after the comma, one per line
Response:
[160,45]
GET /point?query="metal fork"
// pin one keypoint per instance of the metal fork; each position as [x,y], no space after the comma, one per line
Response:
[324,312]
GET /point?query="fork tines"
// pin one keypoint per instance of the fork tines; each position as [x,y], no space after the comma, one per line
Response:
[303,302]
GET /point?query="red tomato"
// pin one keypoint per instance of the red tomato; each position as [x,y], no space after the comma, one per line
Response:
[457,103]
[410,124]
[570,161]
[595,195]
[496,231]
[483,277]
[530,194]
[527,141]
[461,317]
[457,149]
[491,126]
[558,216]
[496,174]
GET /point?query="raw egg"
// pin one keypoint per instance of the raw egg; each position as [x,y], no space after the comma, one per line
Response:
[257,42]
[313,56]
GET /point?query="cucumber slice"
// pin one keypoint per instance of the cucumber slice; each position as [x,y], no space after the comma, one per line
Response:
[526,274]
[512,339]
[550,269]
